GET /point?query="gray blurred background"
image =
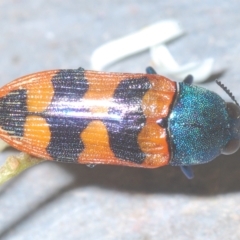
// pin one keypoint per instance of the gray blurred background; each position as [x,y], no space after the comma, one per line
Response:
[63,201]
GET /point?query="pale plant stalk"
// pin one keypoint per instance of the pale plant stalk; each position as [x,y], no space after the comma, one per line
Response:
[15,165]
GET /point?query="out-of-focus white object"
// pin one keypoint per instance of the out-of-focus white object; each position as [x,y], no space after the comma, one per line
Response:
[152,37]
[154,34]
[164,63]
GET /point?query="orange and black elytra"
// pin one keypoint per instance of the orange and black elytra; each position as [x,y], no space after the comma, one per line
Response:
[139,120]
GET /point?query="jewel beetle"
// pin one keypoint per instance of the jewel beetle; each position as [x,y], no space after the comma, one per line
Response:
[139,120]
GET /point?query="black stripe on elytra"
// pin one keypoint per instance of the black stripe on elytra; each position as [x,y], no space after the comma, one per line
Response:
[69,88]
[127,119]
[13,109]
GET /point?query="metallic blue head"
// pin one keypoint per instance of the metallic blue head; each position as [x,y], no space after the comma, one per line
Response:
[202,126]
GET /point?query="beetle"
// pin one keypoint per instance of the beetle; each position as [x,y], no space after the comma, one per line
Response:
[139,120]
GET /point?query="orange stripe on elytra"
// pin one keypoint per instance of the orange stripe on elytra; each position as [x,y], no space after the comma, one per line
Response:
[101,90]
[96,144]
[156,105]
[39,96]
[35,140]
[26,81]
[36,131]
[39,89]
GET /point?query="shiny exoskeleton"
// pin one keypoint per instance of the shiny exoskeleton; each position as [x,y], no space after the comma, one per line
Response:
[141,120]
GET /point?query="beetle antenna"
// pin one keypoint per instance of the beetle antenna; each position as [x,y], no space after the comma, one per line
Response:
[227,91]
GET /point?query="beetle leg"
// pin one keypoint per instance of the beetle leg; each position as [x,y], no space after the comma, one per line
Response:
[150,70]
[187,171]
[188,79]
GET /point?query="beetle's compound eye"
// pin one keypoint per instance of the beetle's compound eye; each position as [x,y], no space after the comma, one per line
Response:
[234,144]
[233,110]
[231,147]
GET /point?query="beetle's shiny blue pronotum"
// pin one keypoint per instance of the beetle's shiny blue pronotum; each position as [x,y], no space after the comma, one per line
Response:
[140,120]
